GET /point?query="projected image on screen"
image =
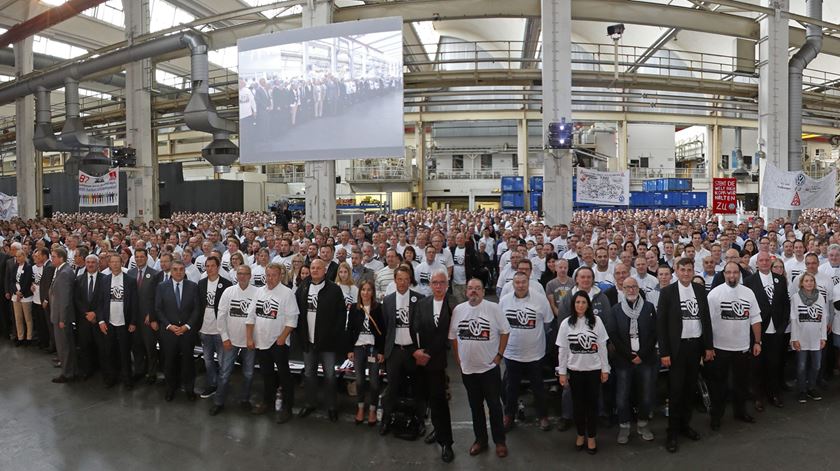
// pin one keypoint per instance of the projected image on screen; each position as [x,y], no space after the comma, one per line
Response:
[322,93]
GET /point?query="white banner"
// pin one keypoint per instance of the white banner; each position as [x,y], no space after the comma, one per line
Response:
[795,190]
[101,191]
[606,188]
[8,207]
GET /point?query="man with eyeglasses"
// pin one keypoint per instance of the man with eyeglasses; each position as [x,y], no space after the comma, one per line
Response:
[732,255]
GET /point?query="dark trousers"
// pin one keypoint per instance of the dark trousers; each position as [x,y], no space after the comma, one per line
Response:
[178,355]
[486,388]
[65,345]
[767,378]
[144,346]
[117,357]
[398,365]
[682,383]
[7,318]
[40,322]
[586,388]
[514,372]
[367,376]
[739,364]
[90,345]
[434,387]
[276,356]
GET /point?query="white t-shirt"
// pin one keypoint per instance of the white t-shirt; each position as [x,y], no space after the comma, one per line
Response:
[403,332]
[192,273]
[350,292]
[365,331]
[271,312]
[505,276]
[527,318]
[257,275]
[286,261]
[312,308]
[603,276]
[116,307]
[829,271]
[423,275]
[199,263]
[808,323]
[582,348]
[733,311]
[477,330]
[690,309]
[794,268]
[208,327]
[459,273]
[234,306]
[646,284]
[37,273]
[445,258]
[533,286]
[18,276]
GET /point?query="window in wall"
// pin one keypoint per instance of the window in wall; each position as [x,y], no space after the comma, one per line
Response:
[51,47]
[515,159]
[644,162]
[486,161]
[457,162]
[165,15]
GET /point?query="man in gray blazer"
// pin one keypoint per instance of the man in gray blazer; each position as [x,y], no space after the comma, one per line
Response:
[145,337]
[62,314]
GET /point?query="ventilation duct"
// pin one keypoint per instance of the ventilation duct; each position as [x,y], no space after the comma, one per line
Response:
[45,140]
[737,156]
[74,134]
[796,66]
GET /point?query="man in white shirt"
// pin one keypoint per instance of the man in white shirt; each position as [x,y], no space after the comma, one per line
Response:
[236,330]
[459,272]
[274,313]
[210,290]
[116,322]
[603,274]
[646,282]
[444,257]
[284,256]
[423,272]
[734,311]
[528,316]
[796,265]
[369,260]
[831,268]
[190,269]
[385,276]
[524,266]
[479,333]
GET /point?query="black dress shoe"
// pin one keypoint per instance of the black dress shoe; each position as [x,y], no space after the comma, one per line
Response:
[384,429]
[169,396]
[715,424]
[430,438]
[61,379]
[333,415]
[305,412]
[592,451]
[191,396]
[690,433]
[215,410]
[446,453]
[747,418]
[671,443]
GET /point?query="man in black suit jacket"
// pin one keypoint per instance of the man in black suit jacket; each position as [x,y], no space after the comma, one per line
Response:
[44,292]
[684,332]
[177,309]
[327,254]
[145,338]
[398,309]
[431,331]
[771,293]
[119,299]
[211,340]
[320,331]
[6,322]
[90,295]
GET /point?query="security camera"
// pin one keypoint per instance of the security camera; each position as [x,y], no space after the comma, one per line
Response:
[615,31]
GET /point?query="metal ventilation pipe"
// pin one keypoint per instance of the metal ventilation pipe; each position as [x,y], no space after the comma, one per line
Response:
[796,66]
[74,134]
[737,152]
[45,140]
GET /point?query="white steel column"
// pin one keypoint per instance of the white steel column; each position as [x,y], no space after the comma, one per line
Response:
[142,191]
[557,104]
[29,193]
[522,157]
[420,157]
[773,92]
[319,175]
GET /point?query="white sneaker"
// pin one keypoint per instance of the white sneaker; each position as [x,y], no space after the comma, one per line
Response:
[644,431]
[624,433]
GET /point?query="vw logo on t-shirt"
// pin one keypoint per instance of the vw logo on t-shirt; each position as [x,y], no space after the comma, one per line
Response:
[585,342]
[402,316]
[211,297]
[475,327]
[690,309]
[117,293]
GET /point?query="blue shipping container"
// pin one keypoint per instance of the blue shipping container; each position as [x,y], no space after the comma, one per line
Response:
[510,184]
[536,201]
[640,199]
[685,200]
[536,184]
[698,199]
[513,200]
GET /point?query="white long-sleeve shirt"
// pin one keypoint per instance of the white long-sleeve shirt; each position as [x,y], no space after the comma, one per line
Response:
[582,348]
[808,323]
[233,314]
[272,311]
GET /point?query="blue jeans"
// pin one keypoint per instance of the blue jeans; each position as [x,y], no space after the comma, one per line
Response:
[642,377]
[806,375]
[211,345]
[310,374]
[227,362]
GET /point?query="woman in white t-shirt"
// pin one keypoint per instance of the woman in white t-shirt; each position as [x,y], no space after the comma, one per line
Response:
[808,324]
[582,341]
[366,341]
[344,280]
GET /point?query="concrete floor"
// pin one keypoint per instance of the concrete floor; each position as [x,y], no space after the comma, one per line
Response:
[86,427]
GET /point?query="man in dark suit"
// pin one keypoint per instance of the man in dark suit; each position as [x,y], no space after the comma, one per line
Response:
[359,271]
[684,332]
[771,293]
[116,322]
[6,322]
[208,306]
[90,294]
[39,317]
[327,254]
[62,314]
[320,331]
[145,338]
[431,331]
[9,274]
[44,292]
[398,309]
[177,309]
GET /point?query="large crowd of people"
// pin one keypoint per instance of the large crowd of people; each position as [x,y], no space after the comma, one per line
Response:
[608,302]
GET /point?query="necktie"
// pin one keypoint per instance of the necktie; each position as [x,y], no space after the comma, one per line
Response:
[178,294]
[90,287]
[166,277]
[139,277]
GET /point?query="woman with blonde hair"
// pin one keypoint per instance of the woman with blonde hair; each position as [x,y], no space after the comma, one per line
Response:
[344,280]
